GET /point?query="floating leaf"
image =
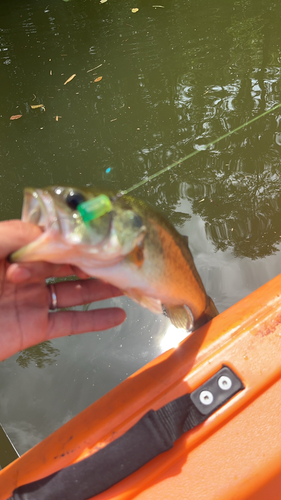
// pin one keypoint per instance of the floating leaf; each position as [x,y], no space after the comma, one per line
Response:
[134,10]
[103,1]
[98,79]
[15,117]
[161,6]
[36,106]
[70,78]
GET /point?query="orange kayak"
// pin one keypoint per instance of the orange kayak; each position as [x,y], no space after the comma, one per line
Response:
[234,453]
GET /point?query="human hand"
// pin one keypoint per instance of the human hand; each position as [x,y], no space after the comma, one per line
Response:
[26,300]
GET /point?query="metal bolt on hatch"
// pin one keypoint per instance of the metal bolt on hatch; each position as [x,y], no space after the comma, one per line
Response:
[206,397]
[224,383]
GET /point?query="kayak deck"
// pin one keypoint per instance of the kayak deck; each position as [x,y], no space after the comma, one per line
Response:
[235,453]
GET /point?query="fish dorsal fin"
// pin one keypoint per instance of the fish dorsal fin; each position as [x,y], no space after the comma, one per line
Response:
[180,316]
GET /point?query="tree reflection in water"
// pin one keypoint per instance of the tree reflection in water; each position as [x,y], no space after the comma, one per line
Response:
[42,355]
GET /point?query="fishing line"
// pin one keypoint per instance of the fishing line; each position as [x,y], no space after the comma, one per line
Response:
[100,205]
[190,155]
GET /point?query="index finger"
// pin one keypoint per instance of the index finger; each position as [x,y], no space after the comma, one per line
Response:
[15,234]
[33,272]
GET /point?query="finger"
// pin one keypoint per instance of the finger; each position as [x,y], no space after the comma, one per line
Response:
[33,272]
[15,234]
[75,293]
[65,323]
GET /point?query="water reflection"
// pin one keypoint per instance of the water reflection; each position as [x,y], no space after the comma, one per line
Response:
[42,355]
[153,114]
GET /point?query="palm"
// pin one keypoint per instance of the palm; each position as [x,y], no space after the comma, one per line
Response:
[25,298]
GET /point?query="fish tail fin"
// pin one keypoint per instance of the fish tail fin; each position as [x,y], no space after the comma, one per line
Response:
[209,313]
[213,310]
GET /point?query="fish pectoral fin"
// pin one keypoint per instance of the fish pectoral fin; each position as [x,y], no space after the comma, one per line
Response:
[154,305]
[180,316]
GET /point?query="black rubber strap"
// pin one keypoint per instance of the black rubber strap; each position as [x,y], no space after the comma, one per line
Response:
[153,434]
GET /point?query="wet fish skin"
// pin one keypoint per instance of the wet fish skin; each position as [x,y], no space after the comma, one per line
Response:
[133,247]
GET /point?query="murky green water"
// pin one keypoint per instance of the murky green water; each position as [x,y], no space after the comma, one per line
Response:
[173,79]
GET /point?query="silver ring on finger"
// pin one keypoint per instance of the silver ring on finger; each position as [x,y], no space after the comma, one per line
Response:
[54,299]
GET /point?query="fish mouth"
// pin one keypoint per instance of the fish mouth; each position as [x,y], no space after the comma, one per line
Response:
[38,208]
[59,240]
[34,208]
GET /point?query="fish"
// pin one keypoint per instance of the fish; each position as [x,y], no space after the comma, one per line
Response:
[131,246]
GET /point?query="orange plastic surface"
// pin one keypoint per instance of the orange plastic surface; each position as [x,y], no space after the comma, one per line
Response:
[235,454]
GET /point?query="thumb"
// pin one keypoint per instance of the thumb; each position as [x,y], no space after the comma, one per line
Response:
[14,234]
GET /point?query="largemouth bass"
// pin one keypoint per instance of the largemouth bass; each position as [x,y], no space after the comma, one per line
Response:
[132,247]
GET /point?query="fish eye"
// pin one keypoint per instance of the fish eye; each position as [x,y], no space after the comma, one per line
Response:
[74,199]
[137,221]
